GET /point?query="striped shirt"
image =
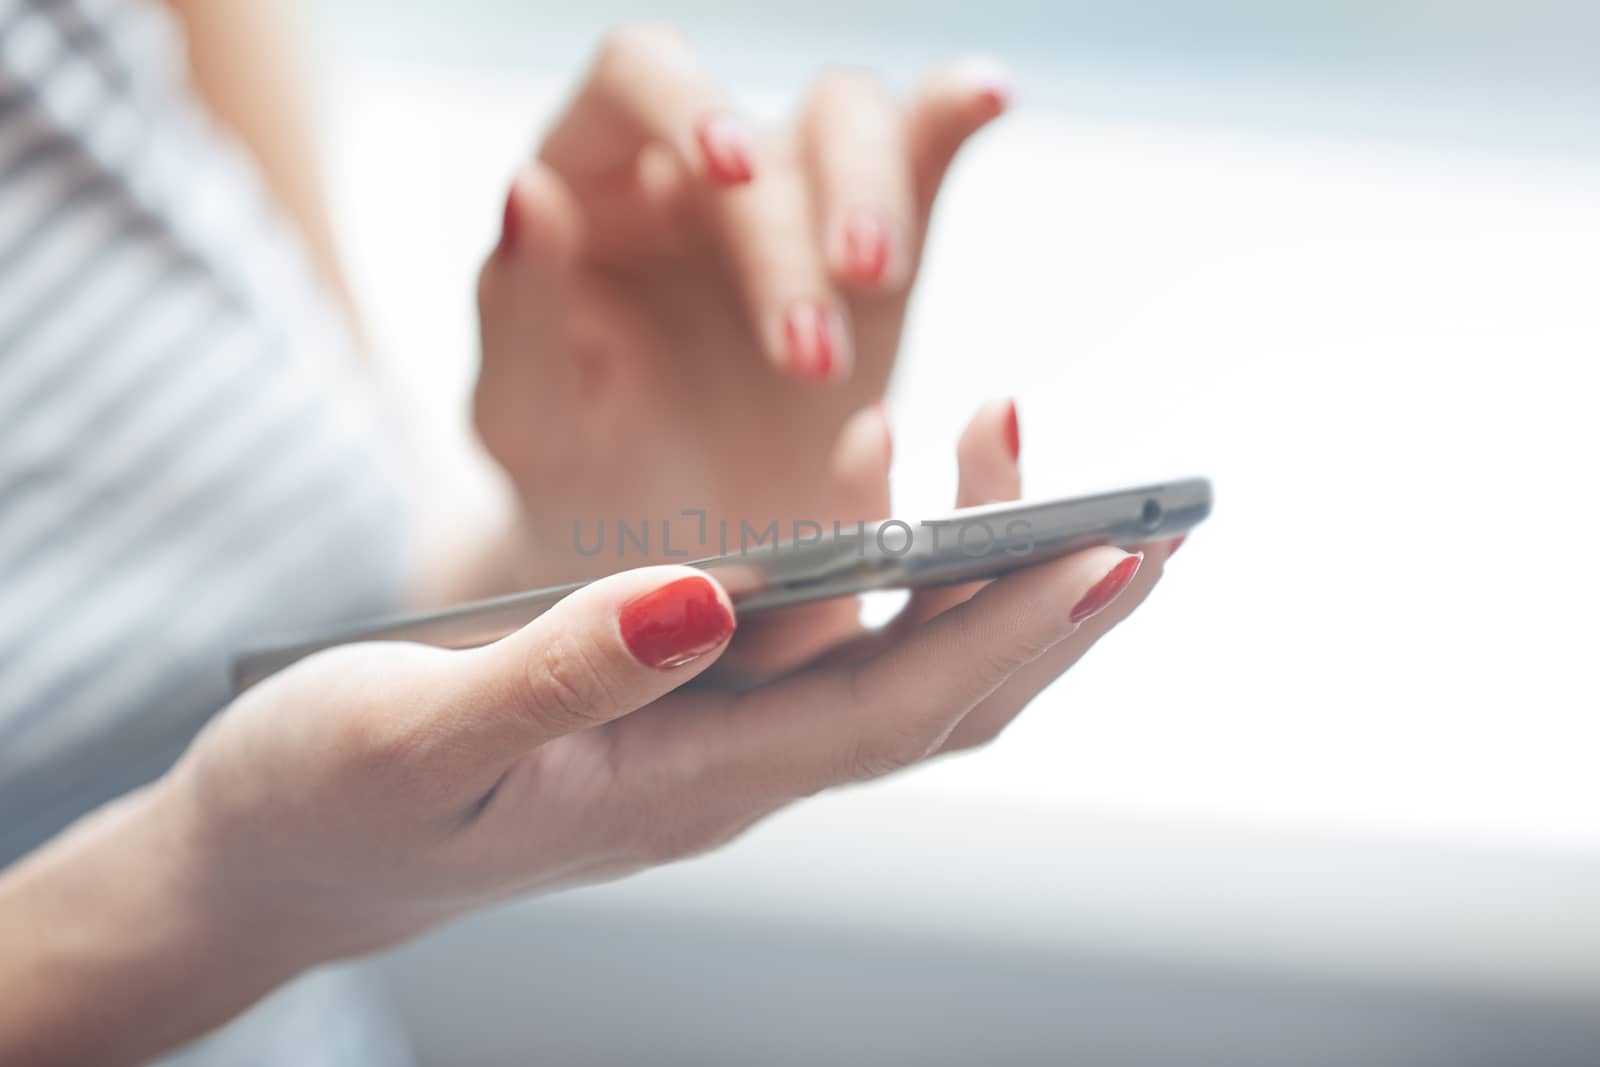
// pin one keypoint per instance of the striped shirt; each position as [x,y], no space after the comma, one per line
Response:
[189,457]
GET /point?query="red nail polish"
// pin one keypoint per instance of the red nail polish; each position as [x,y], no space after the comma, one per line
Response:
[511,221]
[726,150]
[813,346]
[827,344]
[995,96]
[676,624]
[1107,589]
[866,249]
[1013,432]
[1175,544]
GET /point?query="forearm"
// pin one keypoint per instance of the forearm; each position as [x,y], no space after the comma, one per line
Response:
[248,65]
[115,949]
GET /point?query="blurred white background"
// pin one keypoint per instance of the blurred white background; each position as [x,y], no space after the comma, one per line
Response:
[1342,258]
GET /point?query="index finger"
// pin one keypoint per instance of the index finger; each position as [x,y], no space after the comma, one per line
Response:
[646,86]
[952,105]
[828,727]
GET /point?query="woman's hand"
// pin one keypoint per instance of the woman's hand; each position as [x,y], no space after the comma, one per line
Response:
[684,312]
[373,791]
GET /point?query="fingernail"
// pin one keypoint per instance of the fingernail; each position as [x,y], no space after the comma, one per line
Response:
[996,96]
[676,624]
[1175,544]
[726,149]
[812,335]
[1107,589]
[866,248]
[1013,432]
[511,221]
[990,81]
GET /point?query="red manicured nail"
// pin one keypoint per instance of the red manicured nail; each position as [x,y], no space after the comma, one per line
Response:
[1175,544]
[1107,589]
[811,336]
[1013,432]
[866,249]
[995,95]
[989,82]
[510,222]
[676,624]
[726,149]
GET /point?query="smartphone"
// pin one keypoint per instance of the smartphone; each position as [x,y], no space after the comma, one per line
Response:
[962,546]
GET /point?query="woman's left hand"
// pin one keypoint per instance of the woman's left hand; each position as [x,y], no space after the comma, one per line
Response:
[685,313]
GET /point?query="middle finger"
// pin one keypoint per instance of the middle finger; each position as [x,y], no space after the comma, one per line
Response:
[766,231]
[855,143]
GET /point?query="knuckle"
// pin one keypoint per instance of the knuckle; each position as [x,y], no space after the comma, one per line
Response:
[483,288]
[503,436]
[994,663]
[486,416]
[977,735]
[370,746]
[398,759]
[845,83]
[897,737]
[642,41]
[566,687]
[887,751]
[673,840]
[997,665]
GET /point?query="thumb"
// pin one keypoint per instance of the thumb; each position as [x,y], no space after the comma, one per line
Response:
[606,650]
